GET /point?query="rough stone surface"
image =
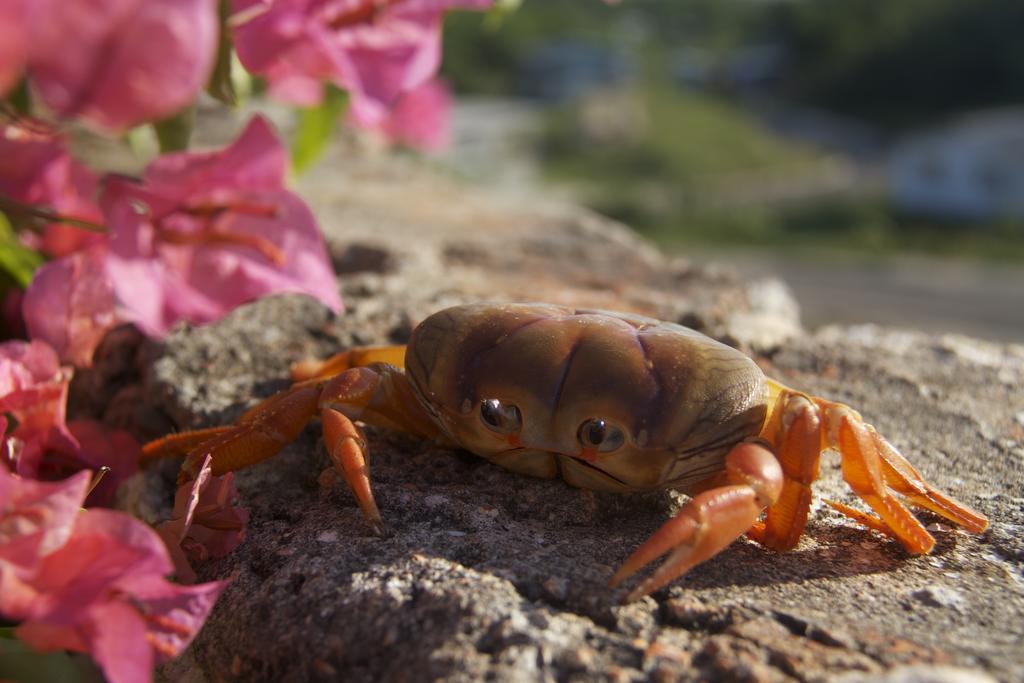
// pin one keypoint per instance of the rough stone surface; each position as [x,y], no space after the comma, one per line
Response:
[490,575]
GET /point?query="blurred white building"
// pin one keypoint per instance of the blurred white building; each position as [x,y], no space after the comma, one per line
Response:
[970,169]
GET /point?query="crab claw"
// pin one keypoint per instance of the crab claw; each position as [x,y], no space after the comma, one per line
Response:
[710,521]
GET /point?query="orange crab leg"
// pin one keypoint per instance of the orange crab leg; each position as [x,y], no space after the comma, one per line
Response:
[800,427]
[902,478]
[795,426]
[260,433]
[379,395]
[710,521]
[863,471]
[180,443]
[876,470]
[347,449]
[339,362]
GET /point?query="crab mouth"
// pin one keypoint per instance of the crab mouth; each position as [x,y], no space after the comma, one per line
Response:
[576,459]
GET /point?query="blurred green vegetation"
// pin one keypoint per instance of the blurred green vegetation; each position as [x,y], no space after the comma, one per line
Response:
[904,63]
[894,63]
[677,135]
[697,167]
[673,181]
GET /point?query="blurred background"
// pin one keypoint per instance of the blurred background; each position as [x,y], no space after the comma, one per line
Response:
[869,153]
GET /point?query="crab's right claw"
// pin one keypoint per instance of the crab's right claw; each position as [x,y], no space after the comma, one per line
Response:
[709,522]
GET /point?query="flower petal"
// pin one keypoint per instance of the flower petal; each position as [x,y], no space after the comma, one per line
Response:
[207,232]
[36,518]
[206,520]
[70,304]
[174,614]
[35,168]
[119,63]
[256,160]
[420,119]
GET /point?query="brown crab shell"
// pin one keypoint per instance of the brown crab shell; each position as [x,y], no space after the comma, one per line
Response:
[681,399]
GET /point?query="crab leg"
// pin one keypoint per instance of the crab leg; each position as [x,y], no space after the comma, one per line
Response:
[710,521]
[379,395]
[180,443]
[863,471]
[876,472]
[348,451]
[353,358]
[282,405]
[795,428]
[259,434]
[902,478]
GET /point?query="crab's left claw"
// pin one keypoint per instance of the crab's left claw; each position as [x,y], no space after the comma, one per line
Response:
[709,522]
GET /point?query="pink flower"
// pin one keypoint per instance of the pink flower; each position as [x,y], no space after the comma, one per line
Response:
[35,519]
[119,63]
[13,42]
[419,119]
[206,232]
[91,581]
[33,389]
[12,321]
[206,522]
[70,304]
[374,49]
[35,168]
[94,446]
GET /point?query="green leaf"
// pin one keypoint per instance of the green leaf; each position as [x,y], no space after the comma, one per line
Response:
[17,261]
[20,98]
[174,132]
[316,124]
[221,86]
[18,662]
[499,12]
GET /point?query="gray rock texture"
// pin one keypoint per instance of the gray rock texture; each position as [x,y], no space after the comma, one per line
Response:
[490,575]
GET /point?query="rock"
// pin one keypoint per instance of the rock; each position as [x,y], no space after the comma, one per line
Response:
[490,575]
[921,674]
[939,596]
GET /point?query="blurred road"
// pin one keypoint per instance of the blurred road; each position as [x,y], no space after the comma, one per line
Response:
[977,299]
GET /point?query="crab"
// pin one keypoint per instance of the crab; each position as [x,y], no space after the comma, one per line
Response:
[608,402]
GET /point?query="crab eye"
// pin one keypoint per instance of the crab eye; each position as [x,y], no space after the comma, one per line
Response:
[596,433]
[504,418]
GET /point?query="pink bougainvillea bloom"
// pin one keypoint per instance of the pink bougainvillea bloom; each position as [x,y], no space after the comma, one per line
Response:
[33,389]
[206,522]
[206,232]
[119,63]
[12,322]
[70,304]
[5,449]
[420,118]
[95,446]
[13,42]
[35,519]
[374,49]
[36,169]
[102,592]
